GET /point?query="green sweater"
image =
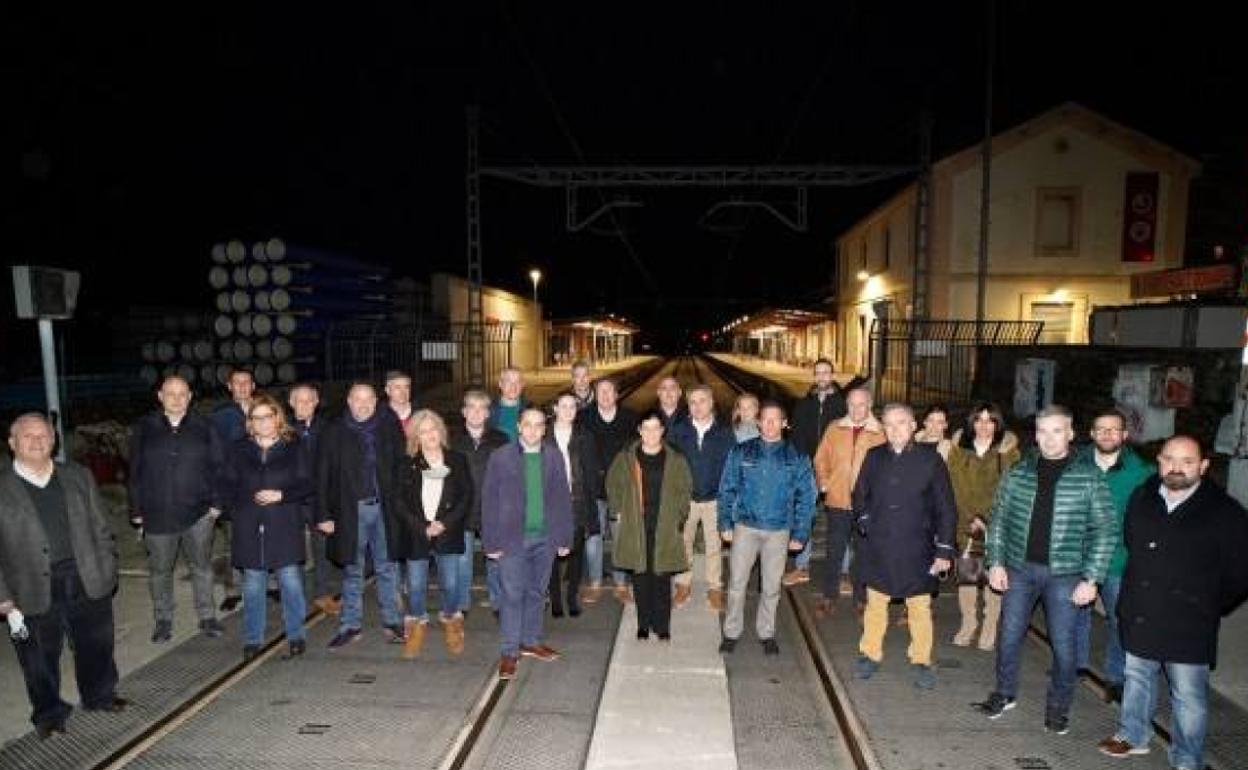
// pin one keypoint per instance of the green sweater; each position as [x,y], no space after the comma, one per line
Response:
[1084,532]
[1127,474]
[534,517]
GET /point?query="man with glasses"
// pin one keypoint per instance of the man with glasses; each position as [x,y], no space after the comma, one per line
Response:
[1123,470]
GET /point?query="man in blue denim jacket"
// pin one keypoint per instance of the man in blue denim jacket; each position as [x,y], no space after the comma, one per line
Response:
[766,504]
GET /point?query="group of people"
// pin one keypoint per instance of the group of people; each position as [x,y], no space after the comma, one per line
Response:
[386,488]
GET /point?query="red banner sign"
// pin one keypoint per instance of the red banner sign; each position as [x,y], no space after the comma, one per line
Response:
[1139,217]
[1193,280]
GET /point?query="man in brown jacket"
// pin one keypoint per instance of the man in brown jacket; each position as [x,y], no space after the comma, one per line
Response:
[837,460]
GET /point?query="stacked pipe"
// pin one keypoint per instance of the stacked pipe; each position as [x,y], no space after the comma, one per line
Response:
[177,343]
[275,301]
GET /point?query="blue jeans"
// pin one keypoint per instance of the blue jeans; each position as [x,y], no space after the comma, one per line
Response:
[1114,655]
[1029,585]
[290,582]
[524,576]
[370,535]
[1189,696]
[448,584]
[463,576]
[595,548]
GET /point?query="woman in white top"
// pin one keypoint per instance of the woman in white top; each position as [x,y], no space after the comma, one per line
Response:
[438,493]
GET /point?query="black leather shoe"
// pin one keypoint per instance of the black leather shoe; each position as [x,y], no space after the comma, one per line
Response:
[250,652]
[296,649]
[46,729]
[770,647]
[114,706]
[163,632]
[211,628]
[230,603]
[574,610]
[728,645]
[643,633]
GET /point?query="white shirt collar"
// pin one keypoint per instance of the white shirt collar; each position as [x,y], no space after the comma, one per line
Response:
[1174,502]
[40,480]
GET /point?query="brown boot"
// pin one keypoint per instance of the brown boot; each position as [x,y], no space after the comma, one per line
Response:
[715,600]
[795,576]
[824,607]
[414,633]
[328,604]
[623,594]
[992,611]
[453,629]
[682,595]
[591,593]
[968,603]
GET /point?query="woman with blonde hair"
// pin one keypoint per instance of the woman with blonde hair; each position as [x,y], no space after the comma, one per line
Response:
[438,491]
[745,417]
[267,477]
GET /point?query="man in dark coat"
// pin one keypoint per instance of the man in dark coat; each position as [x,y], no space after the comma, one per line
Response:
[358,499]
[175,462]
[230,420]
[58,569]
[526,520]
[1186,540]
[476,441]
[613,426]
[906,515]
[307,422]
[705,442]
[812,414]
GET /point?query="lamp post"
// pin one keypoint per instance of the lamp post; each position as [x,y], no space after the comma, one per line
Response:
[535,276]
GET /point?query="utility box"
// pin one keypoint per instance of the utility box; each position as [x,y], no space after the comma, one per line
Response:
[45,292]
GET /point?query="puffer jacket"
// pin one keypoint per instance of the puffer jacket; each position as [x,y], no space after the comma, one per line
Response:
[975,478]
[767,485]
[1085,529]
[1125,475]
[839,458]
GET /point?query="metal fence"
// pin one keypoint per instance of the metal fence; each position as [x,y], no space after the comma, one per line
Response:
[433,353]
[923,362]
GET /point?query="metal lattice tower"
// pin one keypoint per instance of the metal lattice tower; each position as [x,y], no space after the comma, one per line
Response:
[476,313]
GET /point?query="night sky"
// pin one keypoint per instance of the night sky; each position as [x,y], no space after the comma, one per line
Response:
[137,141]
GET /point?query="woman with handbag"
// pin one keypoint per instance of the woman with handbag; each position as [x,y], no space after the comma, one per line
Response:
[980,455]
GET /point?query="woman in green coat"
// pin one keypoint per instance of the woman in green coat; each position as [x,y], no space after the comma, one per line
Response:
[649,484]
[979,457]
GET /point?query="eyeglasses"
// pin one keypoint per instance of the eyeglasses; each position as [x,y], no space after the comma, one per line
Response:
[265,416]
[1107,431]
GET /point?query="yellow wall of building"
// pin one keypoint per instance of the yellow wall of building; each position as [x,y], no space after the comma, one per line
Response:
[450,299]
[1075,150]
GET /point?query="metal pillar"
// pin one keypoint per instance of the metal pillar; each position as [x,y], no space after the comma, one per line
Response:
[51,390]
[981,296]
[476,313]
[921,278]
[1237,474]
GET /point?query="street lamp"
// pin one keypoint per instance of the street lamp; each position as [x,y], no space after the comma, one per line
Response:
[535,275]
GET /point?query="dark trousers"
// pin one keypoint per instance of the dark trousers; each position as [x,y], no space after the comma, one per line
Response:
[90,626]
[840,529]
[653,595]
[326,577]
[565,573]
[523,578]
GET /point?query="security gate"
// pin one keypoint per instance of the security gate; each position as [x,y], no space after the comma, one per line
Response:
[924,362]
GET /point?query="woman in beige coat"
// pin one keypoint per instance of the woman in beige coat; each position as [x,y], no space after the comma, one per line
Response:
[979,456]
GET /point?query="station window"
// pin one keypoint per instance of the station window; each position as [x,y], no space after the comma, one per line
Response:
[1057,221]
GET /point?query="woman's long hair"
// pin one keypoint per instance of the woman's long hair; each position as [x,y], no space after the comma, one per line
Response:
[994,414]
[419,418]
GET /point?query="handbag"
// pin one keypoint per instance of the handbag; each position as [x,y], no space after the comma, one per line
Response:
[969,564]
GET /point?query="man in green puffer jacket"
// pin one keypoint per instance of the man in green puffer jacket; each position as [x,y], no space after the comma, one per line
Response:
[1123,470]
[1051,538]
